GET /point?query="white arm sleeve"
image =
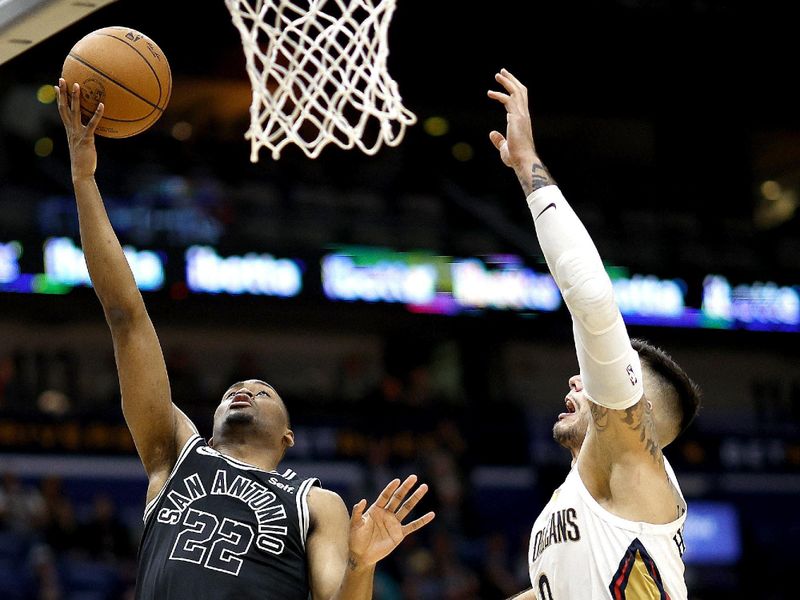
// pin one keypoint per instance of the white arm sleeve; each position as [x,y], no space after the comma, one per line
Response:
[610,367]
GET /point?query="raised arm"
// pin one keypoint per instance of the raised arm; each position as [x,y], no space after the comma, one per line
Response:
[158,428]
[624,431]
[342,555]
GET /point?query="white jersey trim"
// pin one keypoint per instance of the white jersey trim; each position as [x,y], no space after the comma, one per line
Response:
[639,527]
[187,447]
[303,513]
[674,479]
[239,464]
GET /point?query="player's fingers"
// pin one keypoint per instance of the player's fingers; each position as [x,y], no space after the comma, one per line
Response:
[59,102]
[62,100]
[506,73]
[92,124]
[497,139]
[418,523]
[75,104]
[510,86]
[499,96]
[386,495]
[358,510]
[401,493]
[409,504]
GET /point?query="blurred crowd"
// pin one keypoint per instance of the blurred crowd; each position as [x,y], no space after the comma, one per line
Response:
[53,549]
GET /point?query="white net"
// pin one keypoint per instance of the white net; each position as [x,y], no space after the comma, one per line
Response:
[319,74]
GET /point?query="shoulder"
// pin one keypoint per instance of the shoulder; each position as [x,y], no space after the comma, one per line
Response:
[326,508]
[325,504]
[329,519]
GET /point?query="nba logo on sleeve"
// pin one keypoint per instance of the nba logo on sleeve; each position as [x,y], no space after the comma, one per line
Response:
[631,375]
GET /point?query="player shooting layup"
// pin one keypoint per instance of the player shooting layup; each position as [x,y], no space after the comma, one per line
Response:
[221,522]
[614,527]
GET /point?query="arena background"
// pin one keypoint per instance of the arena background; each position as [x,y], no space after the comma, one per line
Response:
[673,129]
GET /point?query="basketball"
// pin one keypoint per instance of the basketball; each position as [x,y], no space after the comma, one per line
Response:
[126,71]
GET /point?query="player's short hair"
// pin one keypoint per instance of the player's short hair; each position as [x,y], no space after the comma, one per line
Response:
[286,412]
[665,367]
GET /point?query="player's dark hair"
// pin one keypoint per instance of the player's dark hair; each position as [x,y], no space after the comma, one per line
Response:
[663,365]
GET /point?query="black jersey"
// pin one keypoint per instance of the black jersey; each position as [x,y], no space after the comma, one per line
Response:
[222,529]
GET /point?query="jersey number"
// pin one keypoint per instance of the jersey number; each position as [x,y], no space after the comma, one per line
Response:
[545,593]
[204,541]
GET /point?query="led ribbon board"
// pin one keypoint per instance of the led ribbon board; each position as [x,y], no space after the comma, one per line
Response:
[255,274]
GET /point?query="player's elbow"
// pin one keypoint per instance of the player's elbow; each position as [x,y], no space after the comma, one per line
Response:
[120,316]
[588,292]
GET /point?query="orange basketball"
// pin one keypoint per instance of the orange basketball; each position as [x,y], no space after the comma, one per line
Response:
[126,71]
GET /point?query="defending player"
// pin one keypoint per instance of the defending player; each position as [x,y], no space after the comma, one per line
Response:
[220,521]
[614,527]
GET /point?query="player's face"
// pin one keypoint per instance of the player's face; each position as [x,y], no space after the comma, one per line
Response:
[251,402]
[570,429]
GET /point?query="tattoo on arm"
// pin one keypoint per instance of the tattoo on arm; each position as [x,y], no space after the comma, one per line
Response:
[351,563]
[539,177]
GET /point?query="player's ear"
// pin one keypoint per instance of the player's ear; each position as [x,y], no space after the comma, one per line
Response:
[288,438]
[211,442]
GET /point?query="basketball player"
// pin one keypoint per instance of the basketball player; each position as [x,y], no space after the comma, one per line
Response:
[220,521]
[614,527]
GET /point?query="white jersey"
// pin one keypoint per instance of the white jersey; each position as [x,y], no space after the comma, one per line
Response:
[580,551]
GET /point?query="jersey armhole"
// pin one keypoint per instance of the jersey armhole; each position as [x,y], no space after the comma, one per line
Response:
[303,514]
[190,444]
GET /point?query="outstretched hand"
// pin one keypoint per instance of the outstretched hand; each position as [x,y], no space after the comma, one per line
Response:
[516,147]
[379,530]
[80,137]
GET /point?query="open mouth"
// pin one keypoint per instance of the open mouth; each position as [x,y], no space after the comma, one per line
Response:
[572,408]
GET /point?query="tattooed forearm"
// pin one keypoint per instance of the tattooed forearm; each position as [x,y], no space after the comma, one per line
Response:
[539,177]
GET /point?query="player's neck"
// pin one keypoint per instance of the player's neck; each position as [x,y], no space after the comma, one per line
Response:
[574,452]
[258,455]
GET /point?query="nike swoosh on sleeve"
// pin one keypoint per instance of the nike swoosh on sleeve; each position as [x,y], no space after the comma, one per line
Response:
[551,205]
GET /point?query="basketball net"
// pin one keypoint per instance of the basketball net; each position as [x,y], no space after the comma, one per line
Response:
[319,74]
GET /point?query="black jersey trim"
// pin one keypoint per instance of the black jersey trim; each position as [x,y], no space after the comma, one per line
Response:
[187,448]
